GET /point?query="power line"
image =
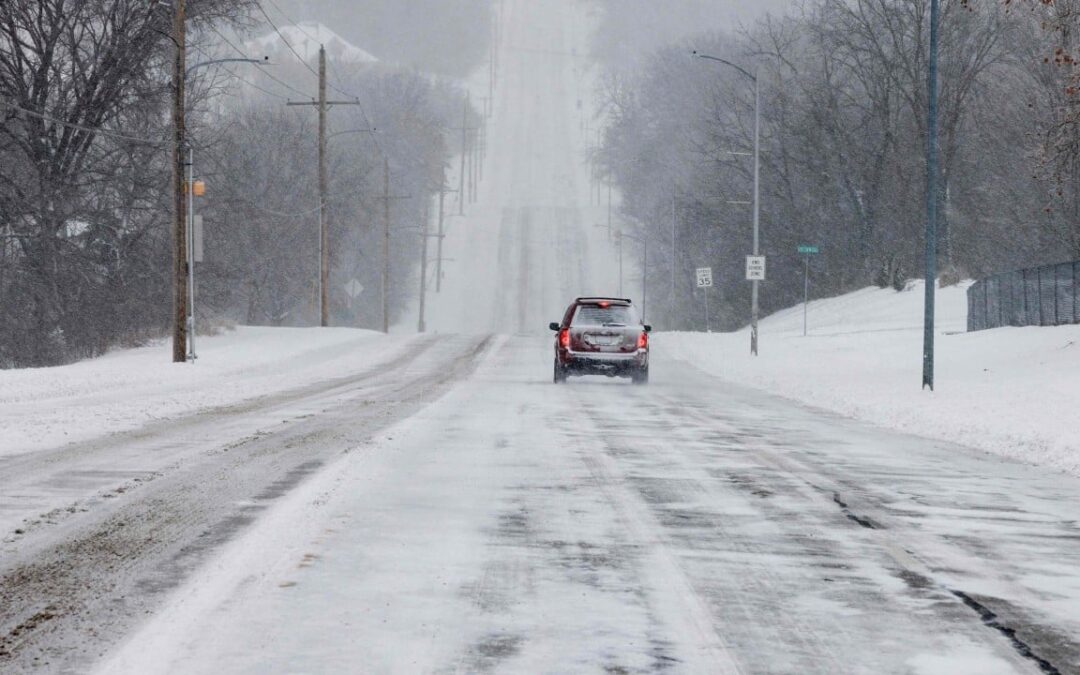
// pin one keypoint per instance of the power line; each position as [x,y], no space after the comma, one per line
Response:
[292,21]
[245,81]
[298,27]
[339,89]
[281,214]
[72,125]
[268,74]
[363,111]
[273,25]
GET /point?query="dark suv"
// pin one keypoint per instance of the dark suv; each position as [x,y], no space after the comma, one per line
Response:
[602,336]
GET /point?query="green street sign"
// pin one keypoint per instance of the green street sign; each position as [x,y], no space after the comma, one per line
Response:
[808,249]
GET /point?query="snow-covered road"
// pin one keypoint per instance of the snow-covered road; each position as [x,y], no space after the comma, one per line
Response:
[531,242]
[691,525]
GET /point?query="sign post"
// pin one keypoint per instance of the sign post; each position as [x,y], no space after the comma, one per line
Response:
[806,252]
[704,282]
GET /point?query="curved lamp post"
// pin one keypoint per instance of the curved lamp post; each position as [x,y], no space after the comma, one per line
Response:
[189,219]
[757,182]
[644,264]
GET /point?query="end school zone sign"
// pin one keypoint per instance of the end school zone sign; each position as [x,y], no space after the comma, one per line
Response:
[755,268]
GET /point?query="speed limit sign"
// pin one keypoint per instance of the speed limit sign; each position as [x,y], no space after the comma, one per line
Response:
[704,277]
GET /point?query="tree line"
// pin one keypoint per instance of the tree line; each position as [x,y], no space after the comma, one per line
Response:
[844,135]
[85,229]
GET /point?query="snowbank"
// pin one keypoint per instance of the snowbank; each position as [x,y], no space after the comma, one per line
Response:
[1010,391]
[47,407]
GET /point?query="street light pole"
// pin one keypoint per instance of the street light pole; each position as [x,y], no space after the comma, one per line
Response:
[757,189]
[619,234]
[644,264]
[183,193]
[191,253]
[757,214]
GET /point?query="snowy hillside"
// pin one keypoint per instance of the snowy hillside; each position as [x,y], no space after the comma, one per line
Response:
[305,38]
[1011,391]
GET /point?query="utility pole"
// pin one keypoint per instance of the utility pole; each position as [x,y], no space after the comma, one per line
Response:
[420,327]
[438,259]
[599,183]
[476,161]
[324,249]
[386,246]
[931,205]
[483,148]
[464,150]
[324,225]
[179,244]
[472,166]
[183,209]
[609,209]
[491,61]
[470,163]
[673,258]
[441,235]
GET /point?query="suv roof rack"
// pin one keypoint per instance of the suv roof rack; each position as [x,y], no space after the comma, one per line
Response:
[605,298]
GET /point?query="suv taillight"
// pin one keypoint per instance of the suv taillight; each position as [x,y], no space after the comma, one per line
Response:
[643,340]
[564,337]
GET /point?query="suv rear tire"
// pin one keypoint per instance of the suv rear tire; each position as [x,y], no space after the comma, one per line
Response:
[640,376]
[560,373]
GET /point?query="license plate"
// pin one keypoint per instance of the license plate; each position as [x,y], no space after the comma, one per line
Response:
[603,340]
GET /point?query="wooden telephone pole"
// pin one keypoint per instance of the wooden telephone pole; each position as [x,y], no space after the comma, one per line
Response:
[421,327]
[386,244]
[438,252]
[179,214]
[466,150]
[324,225]
[386,247]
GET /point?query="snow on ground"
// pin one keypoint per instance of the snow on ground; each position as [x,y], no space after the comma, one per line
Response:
[46,407]
[1010,391]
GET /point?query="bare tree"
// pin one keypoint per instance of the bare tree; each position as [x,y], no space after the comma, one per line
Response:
[81,86]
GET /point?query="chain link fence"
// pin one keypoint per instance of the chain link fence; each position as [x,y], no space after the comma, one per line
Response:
[1040,296]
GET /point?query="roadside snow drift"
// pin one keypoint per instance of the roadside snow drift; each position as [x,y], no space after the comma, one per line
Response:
[1010,391]
[46,407]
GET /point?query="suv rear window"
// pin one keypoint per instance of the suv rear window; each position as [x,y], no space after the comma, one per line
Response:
[595,315]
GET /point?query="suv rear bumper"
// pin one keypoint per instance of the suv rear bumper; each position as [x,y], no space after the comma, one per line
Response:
[602,363]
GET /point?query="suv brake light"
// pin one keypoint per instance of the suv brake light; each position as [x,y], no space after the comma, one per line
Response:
[564,337]
[643,340]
